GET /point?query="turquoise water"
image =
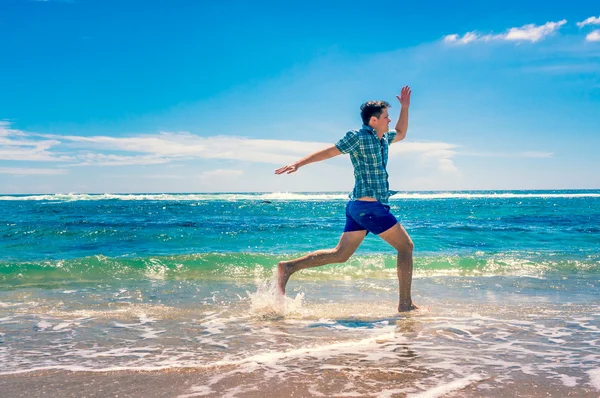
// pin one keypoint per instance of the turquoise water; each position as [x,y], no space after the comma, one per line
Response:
[508,281]
[237,235]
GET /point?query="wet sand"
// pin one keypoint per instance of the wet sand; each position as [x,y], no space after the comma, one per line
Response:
[193,383]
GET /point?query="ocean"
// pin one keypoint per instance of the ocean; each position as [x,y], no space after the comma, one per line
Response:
[174,295]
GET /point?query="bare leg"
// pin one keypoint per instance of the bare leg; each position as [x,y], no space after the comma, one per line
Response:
[399,240]
[346,247]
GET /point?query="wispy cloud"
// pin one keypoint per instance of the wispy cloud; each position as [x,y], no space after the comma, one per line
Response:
[530,32]
[17,145]
[166,147]
[205,175]
[101,159]
[26,171]
[169,147]
[439,153]
[593,36]
[5,129]
[465,39]
[533,33]
[179,146]
[590,21]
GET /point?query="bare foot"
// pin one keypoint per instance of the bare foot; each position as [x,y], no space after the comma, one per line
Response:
[407,307]
[284,271]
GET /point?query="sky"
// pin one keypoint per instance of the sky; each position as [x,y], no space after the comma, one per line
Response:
[105,96]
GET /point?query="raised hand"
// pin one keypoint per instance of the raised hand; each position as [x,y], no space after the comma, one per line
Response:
[404,96]
[289,169]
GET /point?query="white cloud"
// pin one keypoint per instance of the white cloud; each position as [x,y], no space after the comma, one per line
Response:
[101,159]
[453,38]
[169,147]
[175,146]
[439,153]
[529,32]
[467,38]
[589,21]
[37,151]
[6,131]
[534,33]
[593,36]
[14,145]
[26,171]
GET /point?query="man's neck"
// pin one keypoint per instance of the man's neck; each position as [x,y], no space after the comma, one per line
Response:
[379,133]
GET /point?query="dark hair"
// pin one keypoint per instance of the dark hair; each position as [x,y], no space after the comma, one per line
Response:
[372,108]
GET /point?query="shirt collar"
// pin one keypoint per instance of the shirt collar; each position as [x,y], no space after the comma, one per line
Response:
[371,130]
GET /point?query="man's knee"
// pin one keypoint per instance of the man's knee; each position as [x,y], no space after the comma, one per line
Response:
[406,247]
[342,255]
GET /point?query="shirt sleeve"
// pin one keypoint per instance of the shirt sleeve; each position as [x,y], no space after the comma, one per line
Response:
[391,135]
[349,143]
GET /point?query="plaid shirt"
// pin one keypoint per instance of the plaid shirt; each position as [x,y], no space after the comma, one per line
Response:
[369,157]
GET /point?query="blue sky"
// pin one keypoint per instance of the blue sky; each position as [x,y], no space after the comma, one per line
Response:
[194,96]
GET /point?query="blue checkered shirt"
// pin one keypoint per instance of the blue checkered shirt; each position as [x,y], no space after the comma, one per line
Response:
[369,157]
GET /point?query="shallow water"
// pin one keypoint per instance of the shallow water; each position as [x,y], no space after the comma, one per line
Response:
[508,284]
[483,332]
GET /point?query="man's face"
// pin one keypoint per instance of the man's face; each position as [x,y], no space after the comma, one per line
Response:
[383,123]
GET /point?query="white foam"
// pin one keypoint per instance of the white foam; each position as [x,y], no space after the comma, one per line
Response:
[568,381]
[389,393]
[268,302]
[314,393]
[199,197]
[62,325]
[150,333]
[79,368]
[211,342]
[43,325]
[452,195]
[449,387]
[317,351]
[146,319]
[198,391]
[287,196]
[594,378]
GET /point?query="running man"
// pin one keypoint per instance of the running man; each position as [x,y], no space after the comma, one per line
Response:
[367,211]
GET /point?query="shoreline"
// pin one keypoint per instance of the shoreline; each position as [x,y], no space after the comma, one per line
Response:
[193,383]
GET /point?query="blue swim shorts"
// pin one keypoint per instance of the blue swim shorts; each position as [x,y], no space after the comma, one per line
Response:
[374,217]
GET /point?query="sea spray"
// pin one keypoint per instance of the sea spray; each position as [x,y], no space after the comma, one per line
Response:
[268,302]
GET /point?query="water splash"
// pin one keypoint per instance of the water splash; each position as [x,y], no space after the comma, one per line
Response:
[268,302]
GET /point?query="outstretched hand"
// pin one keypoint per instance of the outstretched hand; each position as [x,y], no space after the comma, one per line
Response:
[289,169]
[404,96]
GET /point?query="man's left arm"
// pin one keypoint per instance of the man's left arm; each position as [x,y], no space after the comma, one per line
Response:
[402,125]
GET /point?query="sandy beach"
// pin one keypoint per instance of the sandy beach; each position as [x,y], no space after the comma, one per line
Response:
[190,383]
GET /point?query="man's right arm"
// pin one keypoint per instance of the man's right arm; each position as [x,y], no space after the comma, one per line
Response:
[318,156]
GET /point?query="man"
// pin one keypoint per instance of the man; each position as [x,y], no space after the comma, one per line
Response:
[367,211]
